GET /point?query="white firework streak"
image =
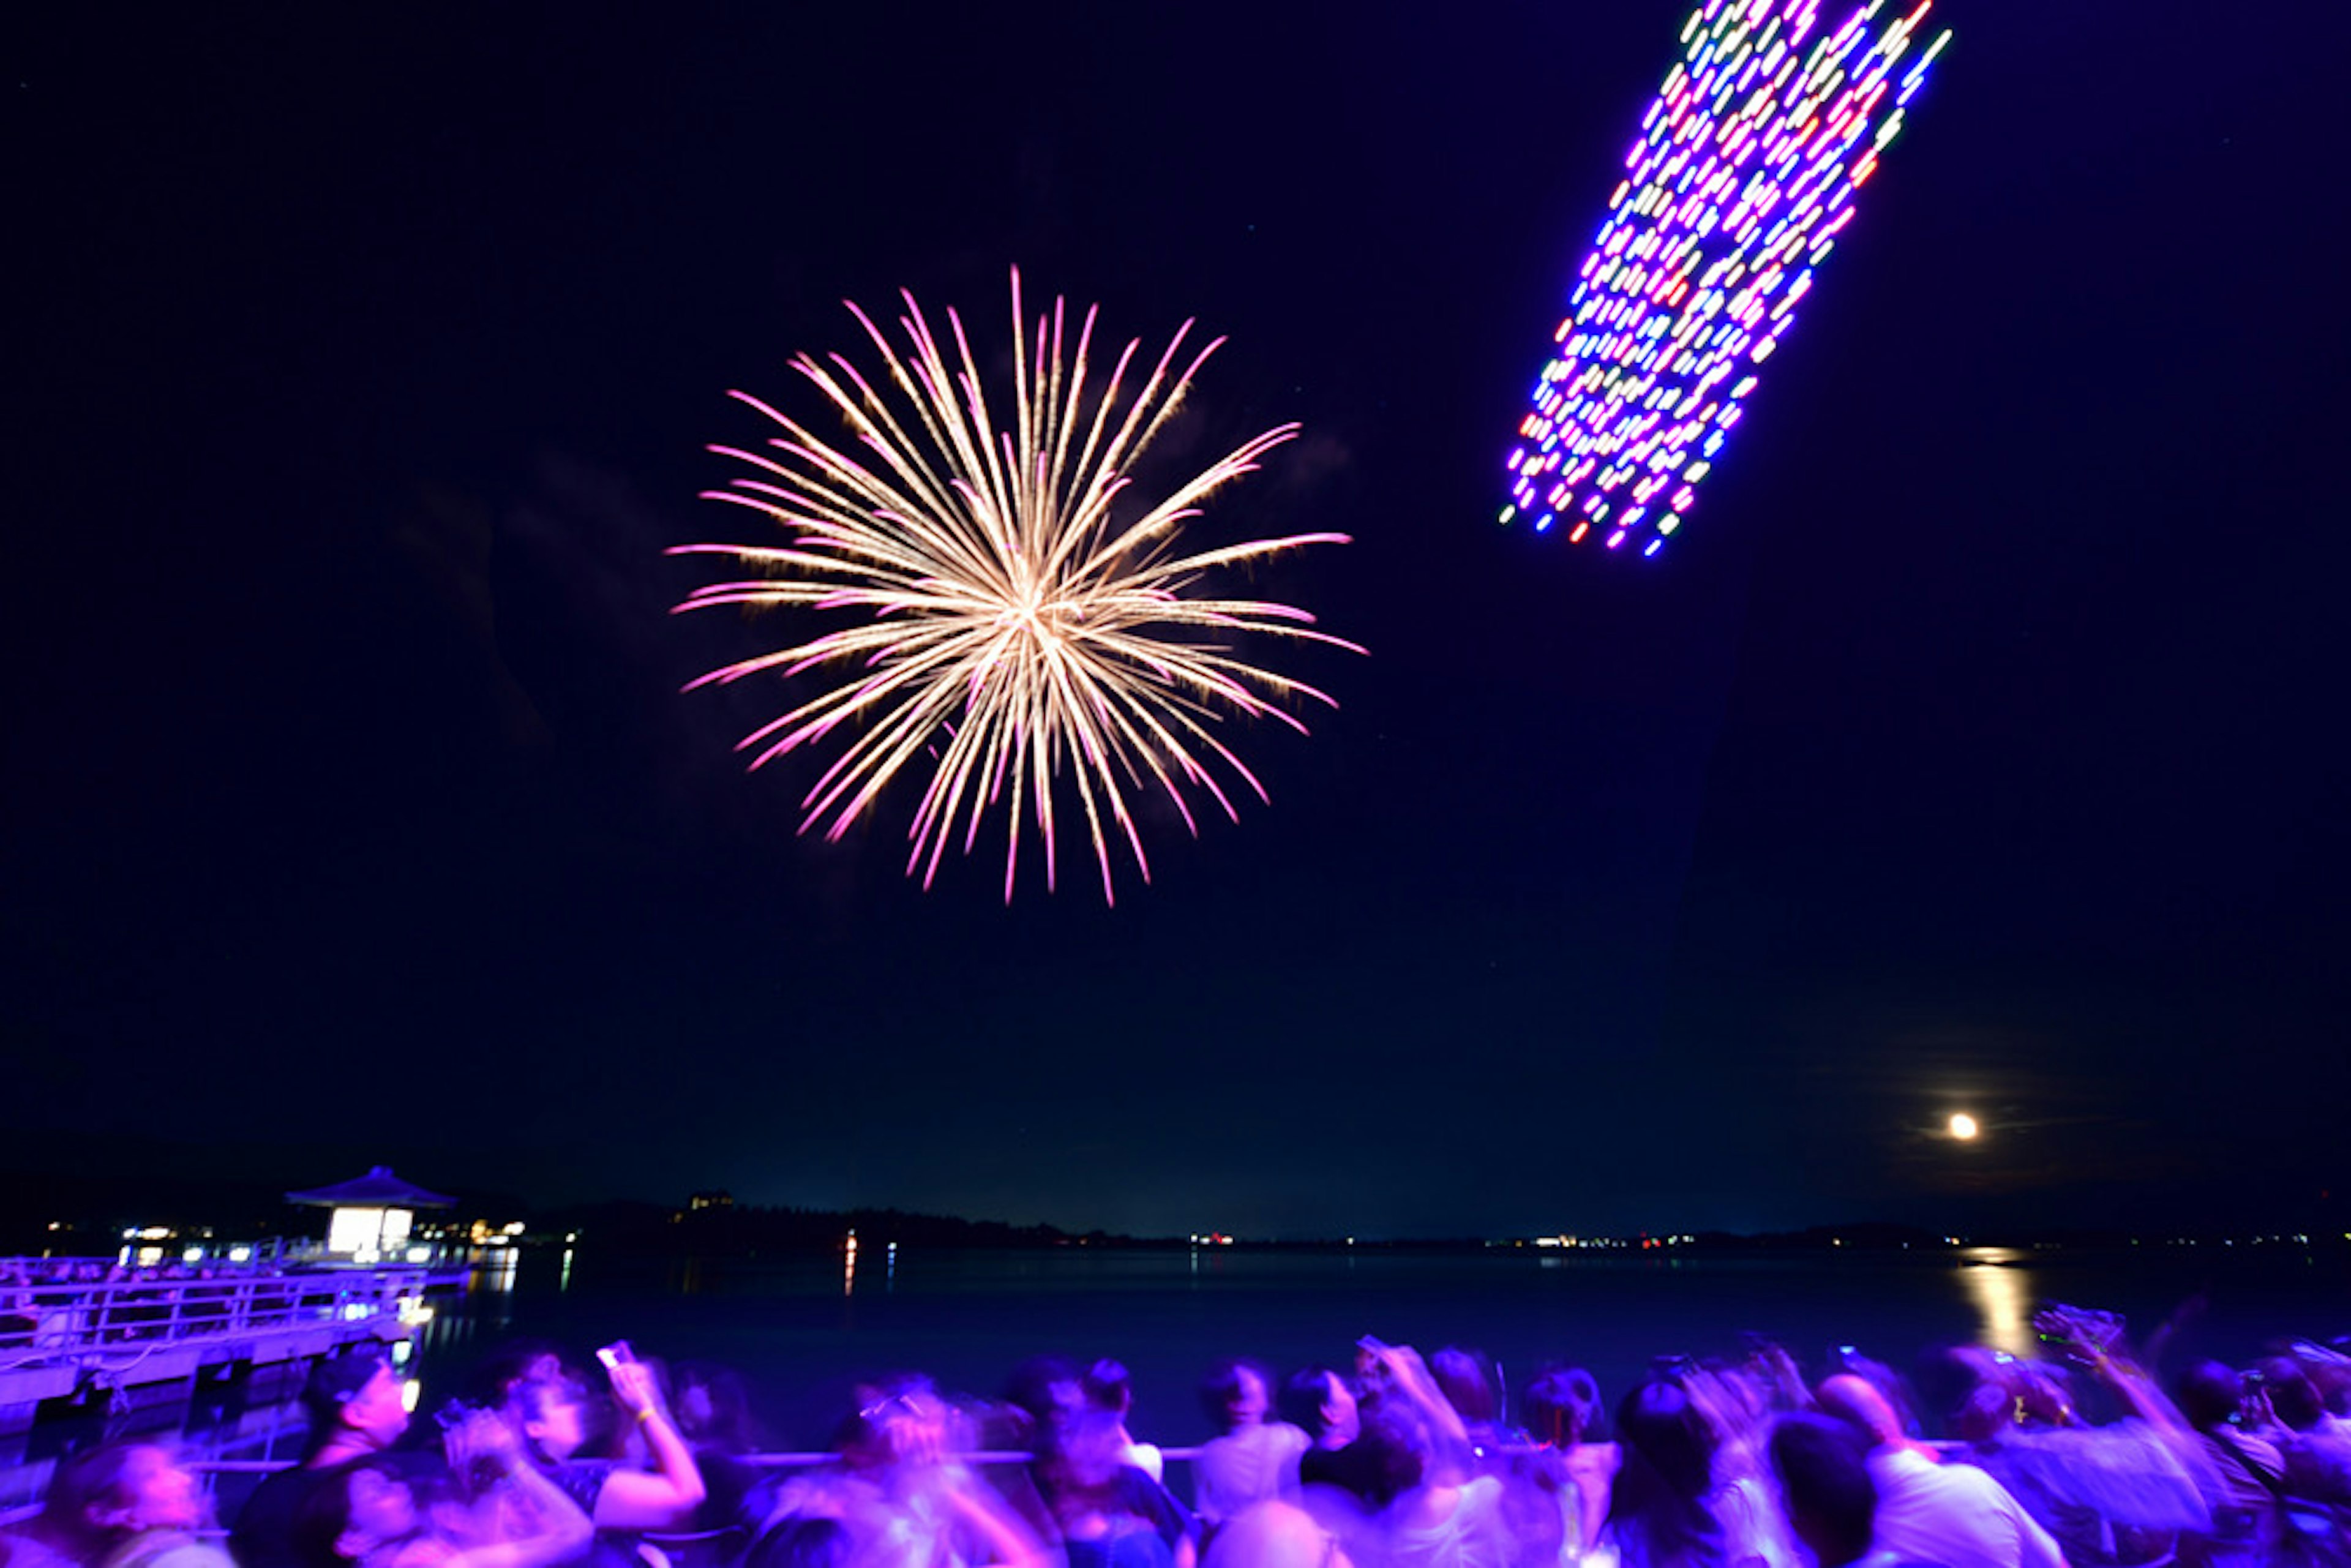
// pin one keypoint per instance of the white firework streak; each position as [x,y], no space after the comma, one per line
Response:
[1008,627]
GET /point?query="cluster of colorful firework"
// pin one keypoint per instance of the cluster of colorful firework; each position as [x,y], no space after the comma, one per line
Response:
[1743,176]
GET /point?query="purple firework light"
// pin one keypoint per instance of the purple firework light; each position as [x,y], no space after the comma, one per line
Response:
[1744,173]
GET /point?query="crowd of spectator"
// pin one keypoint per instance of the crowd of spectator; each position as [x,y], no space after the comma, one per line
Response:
[1384,1459]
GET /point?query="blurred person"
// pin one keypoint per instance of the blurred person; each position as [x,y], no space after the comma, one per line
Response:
[713,1414]
[501,1510]
[1425,1515]
[1658,1513]
[2118,1494]
[1670,1503]
[1732,1405]
[554,1420]
[1107,1512]
[1953,1515]
[1044,1391]
[509,1364]
[1389,1377]
[899,1498]
[1250,1459]
[1570,1465]
[1275,1534]
[1463,1377]
[121,1505]
[1323,1405]
[2317,1459]
[1822,1468]
[357,1408]
[1110,1389]
[2244,1472]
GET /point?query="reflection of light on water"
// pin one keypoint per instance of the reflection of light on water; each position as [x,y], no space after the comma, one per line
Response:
[565,1283]
[890,1269]
[849,1264]
[2001,1292]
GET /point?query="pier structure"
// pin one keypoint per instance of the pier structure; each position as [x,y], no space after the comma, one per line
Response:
[78,1342]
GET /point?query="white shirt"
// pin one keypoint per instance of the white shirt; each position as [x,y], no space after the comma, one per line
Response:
[1953,1515]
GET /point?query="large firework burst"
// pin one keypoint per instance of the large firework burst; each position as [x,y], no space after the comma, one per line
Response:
[1014,617]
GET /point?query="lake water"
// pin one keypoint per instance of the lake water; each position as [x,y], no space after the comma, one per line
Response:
[801,1331]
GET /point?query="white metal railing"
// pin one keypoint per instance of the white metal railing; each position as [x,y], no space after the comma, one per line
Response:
[80,1322]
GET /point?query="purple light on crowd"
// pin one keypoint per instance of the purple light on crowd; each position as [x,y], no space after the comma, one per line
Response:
[1742,176]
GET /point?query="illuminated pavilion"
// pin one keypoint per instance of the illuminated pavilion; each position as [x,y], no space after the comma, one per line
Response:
[372,1214]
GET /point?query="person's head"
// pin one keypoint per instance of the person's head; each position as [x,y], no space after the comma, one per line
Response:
[1856,1400]
[1666,1467]
[2209,1394]
[512,1363]
[1985,1414]
[1822,1468]
[1461,1376]
[354,1399]
[899,1418]
[1396,1447]
[1274,1535]
[105,1496]
[2294,1399]
[1108,1387]
[712,1409]
[1047,1389]
[1666,1438]
[355,1510]
[1236,1394]
[1562,1407]
[552,1414]
[1322,1404]
[1081,1453]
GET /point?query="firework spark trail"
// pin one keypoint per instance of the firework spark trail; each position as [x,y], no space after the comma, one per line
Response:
[1743,176]
[1008,627]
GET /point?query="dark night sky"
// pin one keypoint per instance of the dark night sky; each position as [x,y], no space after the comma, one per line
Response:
[1980,744]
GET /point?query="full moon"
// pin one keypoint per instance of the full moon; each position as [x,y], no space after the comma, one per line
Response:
[1963,1127]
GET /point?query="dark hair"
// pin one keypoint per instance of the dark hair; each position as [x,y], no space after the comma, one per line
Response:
[507,1365]
[1109,1387]
[1394,1446]
[334,1382]
[1657,1501]
[1031,1385]
[1823,1472]
[2293,1398]
[1079,1462]
[325,1514]
[1461,1376]
[1220,1391]
[728,1427]
[864,1433]
[1303,1396]
[2209,1394]
[1564,1408]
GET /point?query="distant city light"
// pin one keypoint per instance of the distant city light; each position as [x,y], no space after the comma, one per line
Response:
[1743,174]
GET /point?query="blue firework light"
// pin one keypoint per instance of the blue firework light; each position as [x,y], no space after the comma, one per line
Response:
[1745,171]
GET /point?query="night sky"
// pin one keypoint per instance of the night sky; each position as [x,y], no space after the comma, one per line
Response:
[1980,744]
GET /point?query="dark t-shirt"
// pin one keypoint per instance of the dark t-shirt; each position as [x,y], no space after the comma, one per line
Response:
[1353,1468]
[265,1533]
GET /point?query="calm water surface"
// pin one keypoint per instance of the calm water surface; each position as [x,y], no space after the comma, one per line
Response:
[800,1331]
